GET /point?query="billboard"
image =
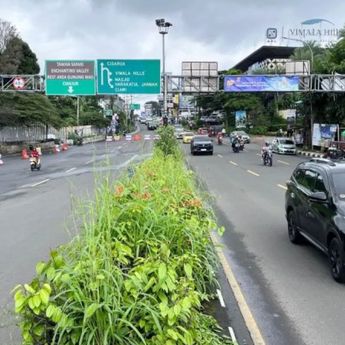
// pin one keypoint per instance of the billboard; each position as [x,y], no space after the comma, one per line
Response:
[200,76]
[240,118]
[260,83]
[128,77]
[323,133]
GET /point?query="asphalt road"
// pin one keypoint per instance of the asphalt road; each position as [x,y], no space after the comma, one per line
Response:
[36,210]
[288,288]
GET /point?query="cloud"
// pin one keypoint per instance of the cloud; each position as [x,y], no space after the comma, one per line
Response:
[220,30]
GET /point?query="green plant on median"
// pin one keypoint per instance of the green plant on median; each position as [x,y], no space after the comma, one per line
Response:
[139,271]
[167,143]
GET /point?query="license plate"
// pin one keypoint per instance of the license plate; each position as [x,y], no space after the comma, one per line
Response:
[203,150]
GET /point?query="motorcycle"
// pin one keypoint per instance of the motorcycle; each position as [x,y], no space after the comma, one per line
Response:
[219,139]
[267,158]
[241,145]
[236,147]
[35,164]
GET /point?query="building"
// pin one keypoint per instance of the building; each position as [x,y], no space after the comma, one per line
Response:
[269,58]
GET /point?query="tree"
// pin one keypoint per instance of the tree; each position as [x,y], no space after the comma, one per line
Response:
[7,32]
[18,58]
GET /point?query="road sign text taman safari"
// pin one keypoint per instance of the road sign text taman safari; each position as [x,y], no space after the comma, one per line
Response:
[70,77]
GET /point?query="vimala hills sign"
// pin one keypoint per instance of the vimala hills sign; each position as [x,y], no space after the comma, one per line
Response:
[70,77]
[128,77]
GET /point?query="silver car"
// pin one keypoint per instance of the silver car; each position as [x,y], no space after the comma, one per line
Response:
[284,146]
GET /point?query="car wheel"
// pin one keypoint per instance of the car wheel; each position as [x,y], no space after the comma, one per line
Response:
[336,260]
[211,153]
[294,235]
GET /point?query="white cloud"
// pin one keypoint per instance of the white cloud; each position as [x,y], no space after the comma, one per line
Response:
[219,30]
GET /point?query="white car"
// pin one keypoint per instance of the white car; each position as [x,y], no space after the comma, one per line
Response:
[179,132]
[284,146]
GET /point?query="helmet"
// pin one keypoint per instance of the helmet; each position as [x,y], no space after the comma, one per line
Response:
[267,143]
[31,147]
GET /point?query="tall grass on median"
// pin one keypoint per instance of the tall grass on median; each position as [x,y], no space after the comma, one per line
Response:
[137,274]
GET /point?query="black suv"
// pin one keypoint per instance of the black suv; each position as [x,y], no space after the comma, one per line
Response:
[315,209]
[201,144]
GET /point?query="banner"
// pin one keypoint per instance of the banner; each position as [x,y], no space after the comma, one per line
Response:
[323,134]
[260,83]
[240,117]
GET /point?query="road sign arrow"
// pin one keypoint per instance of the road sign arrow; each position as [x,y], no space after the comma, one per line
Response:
[70,89]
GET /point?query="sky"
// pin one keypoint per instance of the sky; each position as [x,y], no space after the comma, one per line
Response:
[225,31]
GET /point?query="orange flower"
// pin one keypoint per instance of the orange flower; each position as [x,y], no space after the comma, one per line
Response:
[119,190]
[192,203]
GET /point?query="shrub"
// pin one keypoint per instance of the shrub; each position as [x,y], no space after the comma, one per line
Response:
[167,142]
[139,271]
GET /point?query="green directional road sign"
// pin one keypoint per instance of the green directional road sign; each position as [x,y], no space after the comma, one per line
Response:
[135,106]
[70,77]
[128,77]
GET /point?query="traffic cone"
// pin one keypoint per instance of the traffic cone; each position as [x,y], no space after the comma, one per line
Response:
[1,161]
[25,154]
[56,149]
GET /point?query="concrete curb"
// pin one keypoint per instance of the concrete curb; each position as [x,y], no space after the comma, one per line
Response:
[310,154]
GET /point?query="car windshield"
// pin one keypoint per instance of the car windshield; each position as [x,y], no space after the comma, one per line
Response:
[188,133]
[286,142]
[201,138]
[339,184]
[241,133]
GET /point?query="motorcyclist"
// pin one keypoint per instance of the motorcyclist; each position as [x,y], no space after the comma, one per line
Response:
[34,154]
[265,149]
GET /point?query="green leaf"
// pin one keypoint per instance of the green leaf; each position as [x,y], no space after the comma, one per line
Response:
[38,330]
[36,300]
[50,273]
[177,309]
[44,296]
[47,288]
[91,309]
[28,288]
[172,334]
[50,311]
[188,270]
[40,267]
[162,272]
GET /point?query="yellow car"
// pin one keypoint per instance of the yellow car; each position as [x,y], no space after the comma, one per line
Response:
[187,137]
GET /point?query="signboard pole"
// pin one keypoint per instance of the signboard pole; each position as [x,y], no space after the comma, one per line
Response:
[78,110]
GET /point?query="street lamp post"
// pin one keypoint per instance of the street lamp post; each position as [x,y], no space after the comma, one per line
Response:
[163,28]
[310,72]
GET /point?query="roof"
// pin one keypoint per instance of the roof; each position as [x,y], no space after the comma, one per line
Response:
[263,53]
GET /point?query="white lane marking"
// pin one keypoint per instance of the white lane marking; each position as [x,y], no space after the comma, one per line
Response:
[69,170]
[253,173]
[282,162]
[90,161]
[258,154]
[220,156]
[41,182]
[245,150]
[232,335]
[221,299]
[282,187]
[233,163]
[120,147]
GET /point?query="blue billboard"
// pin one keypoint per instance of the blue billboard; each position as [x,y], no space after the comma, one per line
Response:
[261,83]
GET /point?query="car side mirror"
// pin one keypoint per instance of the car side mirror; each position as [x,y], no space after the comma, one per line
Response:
[318,196]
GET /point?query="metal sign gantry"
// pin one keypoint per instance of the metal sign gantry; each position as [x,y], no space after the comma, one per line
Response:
[317,83]
[22,83]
